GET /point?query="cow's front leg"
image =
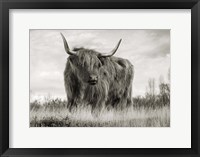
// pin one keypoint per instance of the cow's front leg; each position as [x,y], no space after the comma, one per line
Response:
[98,108]
[73,103]
[70,104]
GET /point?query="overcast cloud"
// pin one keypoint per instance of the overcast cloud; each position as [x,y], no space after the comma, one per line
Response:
[148,51]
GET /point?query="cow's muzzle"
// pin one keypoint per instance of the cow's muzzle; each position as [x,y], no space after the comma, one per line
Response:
[93,80]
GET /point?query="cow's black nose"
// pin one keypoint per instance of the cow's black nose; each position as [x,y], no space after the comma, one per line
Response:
[93,79]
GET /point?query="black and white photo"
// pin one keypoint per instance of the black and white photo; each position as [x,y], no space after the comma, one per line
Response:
[100,78]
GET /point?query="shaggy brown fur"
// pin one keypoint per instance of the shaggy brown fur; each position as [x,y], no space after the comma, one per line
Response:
[114,85]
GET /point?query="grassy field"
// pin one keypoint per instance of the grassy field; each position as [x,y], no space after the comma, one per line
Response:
[53,113]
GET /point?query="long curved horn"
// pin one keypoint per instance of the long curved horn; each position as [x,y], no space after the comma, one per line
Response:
[66,46]
[113,51]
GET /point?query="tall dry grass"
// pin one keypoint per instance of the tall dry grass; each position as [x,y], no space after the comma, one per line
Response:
[53,113]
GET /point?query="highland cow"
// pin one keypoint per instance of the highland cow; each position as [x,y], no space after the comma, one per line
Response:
[97,79]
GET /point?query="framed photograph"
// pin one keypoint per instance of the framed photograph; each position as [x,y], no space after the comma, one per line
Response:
[100,78]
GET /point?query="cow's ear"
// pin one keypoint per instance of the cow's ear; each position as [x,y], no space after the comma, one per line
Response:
[71,59]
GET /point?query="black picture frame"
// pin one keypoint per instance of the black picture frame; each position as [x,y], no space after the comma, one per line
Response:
[5,5]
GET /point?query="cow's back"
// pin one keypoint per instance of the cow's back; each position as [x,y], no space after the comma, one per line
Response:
[120,76]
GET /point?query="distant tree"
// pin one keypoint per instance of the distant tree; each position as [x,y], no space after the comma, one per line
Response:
[151,87]
[150,92]
[164,91]
[153,98]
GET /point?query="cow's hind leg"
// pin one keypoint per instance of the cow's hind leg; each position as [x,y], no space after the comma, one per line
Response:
[129,98]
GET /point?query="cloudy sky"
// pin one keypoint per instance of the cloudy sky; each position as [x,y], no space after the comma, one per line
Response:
[148,51]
